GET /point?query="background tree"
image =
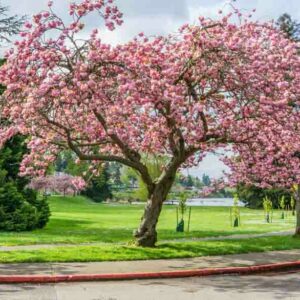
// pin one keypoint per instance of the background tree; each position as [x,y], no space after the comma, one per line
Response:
[276,166]
[63,184]
[253,195]
[66,163]
[289,26]
[198,183]
[97,187]
[206,87]
[275,174]
[9,25]
[189,181]
[134,181]
[268,207]
[206,180]
[115,175]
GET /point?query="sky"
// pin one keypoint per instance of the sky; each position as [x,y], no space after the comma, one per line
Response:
[155,17]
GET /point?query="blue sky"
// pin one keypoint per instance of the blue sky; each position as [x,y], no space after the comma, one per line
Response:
[164,16]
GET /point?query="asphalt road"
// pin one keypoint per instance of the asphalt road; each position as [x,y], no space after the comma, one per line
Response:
[268,286]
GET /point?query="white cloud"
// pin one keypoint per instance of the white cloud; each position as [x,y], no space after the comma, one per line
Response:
[210,165]
[207,10]
[175,8]
[150,25]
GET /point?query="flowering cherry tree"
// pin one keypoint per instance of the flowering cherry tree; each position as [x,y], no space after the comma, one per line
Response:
[62,183]
[212,84]
[270,163]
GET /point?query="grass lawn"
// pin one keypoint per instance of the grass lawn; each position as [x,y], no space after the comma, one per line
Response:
[164,250]
[78,220]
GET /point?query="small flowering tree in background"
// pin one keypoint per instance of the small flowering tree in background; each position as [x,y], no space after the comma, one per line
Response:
[214,84]
[41,184]
[282,206]
[63,184]
[268,208]
[181,209]
[235,212]
[296,196]
[78,184]
[292,204]
[275,165]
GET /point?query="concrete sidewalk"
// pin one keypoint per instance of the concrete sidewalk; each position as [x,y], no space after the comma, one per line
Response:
[237,260]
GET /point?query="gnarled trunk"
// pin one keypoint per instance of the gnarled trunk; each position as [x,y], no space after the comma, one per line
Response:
[146,234]
[297,199]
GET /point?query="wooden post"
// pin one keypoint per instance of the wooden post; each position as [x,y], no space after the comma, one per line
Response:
[272,215]
[188,229]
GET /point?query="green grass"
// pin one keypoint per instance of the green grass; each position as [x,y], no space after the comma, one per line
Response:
[77,220]
[164,250]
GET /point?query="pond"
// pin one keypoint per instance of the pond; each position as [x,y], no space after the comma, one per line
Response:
[207,202]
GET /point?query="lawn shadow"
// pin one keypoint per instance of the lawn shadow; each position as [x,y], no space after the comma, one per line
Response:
[165,234]
[67,231]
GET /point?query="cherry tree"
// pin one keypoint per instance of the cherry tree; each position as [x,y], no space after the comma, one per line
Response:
[271,163]
[67,184]
[62,183]
[41,184]
[212,84]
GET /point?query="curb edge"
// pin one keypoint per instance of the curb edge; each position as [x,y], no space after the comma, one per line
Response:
[150,275]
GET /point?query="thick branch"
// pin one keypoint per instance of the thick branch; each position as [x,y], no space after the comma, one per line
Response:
[129,153]
[132,160]
[177,147]
[195,98]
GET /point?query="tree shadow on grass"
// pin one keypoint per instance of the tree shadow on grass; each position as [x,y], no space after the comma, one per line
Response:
[67,231]
[233,246]
[165,234]
[76,231]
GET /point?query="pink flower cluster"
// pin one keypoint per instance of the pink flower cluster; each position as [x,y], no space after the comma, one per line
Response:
[6,134]
[273,162]
[111,13]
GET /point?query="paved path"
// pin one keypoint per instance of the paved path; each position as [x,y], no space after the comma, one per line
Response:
[232,237]
[150,265]
[266,287]
[213,238]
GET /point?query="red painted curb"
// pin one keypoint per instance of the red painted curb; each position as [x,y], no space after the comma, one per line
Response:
[148,275]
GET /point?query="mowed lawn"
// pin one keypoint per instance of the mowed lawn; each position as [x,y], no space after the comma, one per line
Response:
[110,252]
[77,220]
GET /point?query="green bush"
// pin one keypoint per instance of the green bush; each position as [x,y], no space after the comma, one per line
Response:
[18,213]
[43,212]
[253,196]
[98,188]
[20,208]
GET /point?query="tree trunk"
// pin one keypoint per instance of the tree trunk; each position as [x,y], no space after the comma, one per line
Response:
[146,235]
[297,199]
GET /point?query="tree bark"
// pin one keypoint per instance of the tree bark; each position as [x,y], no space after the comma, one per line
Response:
[297,199]
[146,234]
